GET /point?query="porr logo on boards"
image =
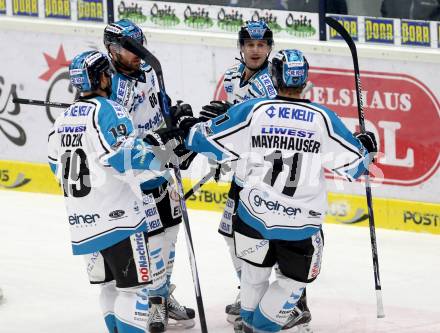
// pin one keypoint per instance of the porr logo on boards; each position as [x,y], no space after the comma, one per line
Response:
[401,110]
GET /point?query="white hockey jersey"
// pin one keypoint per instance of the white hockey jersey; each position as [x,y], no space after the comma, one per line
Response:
[286,144]
[96,156]
[238,90]
[139,96]
[259,85]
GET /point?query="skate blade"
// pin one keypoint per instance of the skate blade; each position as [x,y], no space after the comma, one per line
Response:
[231,318]
[180,324]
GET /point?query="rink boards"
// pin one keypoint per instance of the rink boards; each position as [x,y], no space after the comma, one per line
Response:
[343,208]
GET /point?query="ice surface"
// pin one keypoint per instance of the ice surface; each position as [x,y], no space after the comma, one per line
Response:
[46,288]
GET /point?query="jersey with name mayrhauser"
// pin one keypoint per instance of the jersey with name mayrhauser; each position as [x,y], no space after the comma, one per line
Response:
[97,158]
[139,96]
[286,144]
[259,85]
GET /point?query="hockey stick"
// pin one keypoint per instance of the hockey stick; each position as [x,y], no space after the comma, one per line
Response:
[203,181]
[17,100]
[346,36]
[195,188]
[149,58]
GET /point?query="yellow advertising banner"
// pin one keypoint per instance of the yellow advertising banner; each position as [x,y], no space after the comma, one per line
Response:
[343,208]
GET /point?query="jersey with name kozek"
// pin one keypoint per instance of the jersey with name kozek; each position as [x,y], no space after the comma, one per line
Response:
[96,156]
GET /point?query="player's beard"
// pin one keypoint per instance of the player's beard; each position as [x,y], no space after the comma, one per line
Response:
[120,64]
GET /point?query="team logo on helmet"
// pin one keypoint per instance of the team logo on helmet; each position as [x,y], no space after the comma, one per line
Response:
[258,30]
[289,69]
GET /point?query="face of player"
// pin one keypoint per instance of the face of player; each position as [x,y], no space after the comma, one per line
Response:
[129,60]
[255,52]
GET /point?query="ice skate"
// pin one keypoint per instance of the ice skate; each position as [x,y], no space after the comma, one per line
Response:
[240,327]
[233,310]
[300,317]
[158,316]
[180,316]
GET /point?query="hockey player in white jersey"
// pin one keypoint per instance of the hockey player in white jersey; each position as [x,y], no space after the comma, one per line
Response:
[135,87]
[286,143]
[95,154]
[246,80]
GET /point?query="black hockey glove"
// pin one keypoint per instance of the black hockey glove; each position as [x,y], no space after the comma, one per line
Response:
[214,109]
[368,140]
[163,136]
[185,157]
[164,142]
[183,117]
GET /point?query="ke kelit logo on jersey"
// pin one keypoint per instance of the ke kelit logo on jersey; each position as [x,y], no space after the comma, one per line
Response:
[261,204]
[78,111]
[284,112]
[267,82]
[140,255]
[123,92]
[271,111]
[153,219]
[401,111]
[86,219]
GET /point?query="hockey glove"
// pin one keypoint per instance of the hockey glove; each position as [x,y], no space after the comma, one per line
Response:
[183,117]
[214,109]
[185,157]
[162,137]
[368,140]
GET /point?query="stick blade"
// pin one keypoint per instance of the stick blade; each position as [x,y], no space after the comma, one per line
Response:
[379,304]
[139,50]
